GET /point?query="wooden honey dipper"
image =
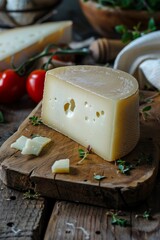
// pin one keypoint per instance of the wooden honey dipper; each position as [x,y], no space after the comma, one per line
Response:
[104,50]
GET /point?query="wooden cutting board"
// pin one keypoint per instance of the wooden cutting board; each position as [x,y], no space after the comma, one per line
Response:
[115,190]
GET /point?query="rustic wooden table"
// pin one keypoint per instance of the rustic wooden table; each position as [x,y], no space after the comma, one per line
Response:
[42,218]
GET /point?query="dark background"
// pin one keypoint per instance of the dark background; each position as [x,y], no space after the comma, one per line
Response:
[71,10]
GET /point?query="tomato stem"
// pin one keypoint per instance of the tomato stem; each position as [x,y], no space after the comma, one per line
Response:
[24,67]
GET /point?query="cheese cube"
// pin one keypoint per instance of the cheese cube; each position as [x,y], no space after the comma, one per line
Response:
[94,106]
[60,166]
[25,42]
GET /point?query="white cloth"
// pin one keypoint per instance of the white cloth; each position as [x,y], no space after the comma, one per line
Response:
[143,56]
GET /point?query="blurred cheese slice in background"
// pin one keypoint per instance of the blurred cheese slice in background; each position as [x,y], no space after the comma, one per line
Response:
[94,106]
[25,42]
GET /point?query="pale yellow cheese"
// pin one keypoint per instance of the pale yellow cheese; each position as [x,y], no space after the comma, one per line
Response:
[94,106]
[35,145]
[30,146]
[61,166]
[19,143]
[24,42]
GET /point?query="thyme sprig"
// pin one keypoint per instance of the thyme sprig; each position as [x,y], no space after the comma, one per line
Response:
[146,215]
[149,99]
[116,219]
[35,120]
[30,194]
[124,167]
[84,154]
[145,112]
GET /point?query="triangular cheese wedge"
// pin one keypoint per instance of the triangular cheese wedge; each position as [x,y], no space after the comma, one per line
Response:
[25,42]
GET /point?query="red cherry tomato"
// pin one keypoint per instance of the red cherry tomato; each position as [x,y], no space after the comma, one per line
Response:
[12,86]
[64,58]
[35,84]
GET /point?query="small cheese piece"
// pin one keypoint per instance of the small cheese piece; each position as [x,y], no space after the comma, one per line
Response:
[94,106]
[61,166]
[35,145]
[25,42]
[19,143]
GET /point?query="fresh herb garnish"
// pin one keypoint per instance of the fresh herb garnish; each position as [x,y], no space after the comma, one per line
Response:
[30,194]
[35,121]
[149,5]
[84,154]
[128,35]
[145,112]
[124,167]
[1,117]
[145,215]
[117,220]
[98,177]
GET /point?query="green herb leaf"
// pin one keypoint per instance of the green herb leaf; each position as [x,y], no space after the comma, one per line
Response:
[128,35]
[98,177]
[83,154]
[119,221]
[1,117]
[124,167]
[147,214]
[30,194]
[145,112]
[35,120]
[146,109]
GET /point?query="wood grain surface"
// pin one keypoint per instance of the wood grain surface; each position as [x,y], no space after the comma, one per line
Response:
[116,190]
[20,218]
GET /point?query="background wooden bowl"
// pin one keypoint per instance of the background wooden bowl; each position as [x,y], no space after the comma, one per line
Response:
[104,19]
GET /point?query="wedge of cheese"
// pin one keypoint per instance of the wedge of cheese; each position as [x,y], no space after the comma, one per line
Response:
[24,42]
[94,106]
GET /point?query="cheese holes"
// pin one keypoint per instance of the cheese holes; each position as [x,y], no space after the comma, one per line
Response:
[69,108]
[66,107]
[86,104]
[86,118]
[102,112]
[99,114]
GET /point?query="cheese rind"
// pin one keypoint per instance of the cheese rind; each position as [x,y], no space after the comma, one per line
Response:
[94,106]
[25,42]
